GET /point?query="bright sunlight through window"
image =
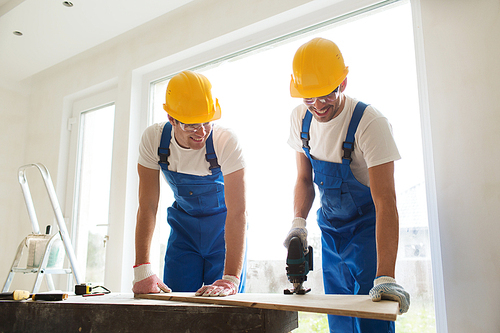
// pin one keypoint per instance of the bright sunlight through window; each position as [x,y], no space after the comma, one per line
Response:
[253,91]
[94,179]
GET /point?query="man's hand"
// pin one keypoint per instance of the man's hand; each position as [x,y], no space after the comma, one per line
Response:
[146,282]
[298,230]
[228,285]
[385,287]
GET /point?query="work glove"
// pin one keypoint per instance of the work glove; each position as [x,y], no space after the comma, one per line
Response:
[228,285]
[298,230]
[385,287]
[146,282]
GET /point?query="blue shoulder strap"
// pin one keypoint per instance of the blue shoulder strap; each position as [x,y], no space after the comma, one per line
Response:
[164,149]
[210,155]
[348,145]
[304,134]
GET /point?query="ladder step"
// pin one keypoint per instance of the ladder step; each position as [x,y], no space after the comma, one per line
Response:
[46,271]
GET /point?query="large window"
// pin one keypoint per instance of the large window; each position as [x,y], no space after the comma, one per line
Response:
[253,91]
[89,182]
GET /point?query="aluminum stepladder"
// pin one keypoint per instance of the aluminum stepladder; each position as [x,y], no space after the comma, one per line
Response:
[45,240]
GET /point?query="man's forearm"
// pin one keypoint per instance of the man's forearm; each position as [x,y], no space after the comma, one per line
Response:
[149,194]
[387,237]
[143,235]
[304,187]
[303,198]
[387,220]
[235,243]
[235,228]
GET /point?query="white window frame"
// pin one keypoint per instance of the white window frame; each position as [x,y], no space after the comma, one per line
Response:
[271,29]
[77,108]
[430,181]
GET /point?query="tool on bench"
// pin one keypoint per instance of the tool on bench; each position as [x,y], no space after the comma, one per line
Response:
[298,263]
[43,257]
[19,295]
[16,295]
[86,289]
[49,297]
[96,294]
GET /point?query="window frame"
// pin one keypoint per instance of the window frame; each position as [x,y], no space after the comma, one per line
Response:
[77,109]
[265,32]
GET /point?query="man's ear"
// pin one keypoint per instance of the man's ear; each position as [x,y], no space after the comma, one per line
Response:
[172,120]
[343,85]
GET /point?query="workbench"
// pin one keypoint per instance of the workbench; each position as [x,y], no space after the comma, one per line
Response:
[123,313]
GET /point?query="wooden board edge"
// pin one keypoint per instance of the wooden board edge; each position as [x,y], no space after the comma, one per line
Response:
[282,307]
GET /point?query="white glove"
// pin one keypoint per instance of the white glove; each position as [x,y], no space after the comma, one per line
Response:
[228,285]
[298,230]
[146,282]
[385,287]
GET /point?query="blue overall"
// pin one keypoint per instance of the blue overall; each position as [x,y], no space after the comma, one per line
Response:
[347,222]
[196,247]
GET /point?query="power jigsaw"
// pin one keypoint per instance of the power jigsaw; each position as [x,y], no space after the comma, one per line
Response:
[298,263]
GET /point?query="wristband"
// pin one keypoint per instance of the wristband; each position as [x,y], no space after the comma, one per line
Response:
[383,279]
[299,222]
[146,263]
[232,278]
[142,272]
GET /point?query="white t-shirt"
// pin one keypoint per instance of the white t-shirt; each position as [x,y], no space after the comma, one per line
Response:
[373,142]
[192,161]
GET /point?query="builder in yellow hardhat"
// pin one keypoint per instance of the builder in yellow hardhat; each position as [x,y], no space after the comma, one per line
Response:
[347,149]
[203,164]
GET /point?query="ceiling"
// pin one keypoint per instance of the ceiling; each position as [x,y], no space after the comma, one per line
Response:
[53,32]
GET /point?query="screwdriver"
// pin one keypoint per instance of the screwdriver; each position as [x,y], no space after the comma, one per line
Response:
[15,295]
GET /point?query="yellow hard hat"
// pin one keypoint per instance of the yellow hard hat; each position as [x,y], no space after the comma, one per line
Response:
[318,68]
[188,99]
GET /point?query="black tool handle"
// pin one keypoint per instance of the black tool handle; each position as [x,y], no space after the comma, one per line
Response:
[15,295]
[49,297]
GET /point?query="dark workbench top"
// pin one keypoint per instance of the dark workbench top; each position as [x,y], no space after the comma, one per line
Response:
[123,313]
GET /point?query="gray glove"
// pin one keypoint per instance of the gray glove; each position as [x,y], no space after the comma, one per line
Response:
[298,230]
[385,287]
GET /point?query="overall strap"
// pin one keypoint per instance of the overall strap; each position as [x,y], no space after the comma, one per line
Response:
[164,149]
[304,134]
[210,155]
[348,145]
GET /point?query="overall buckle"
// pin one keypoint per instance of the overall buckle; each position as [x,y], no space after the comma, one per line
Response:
[348,148]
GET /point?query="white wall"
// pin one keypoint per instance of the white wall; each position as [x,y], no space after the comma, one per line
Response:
[13,125]
[461,48]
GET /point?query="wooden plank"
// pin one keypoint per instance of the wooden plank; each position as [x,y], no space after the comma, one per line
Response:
[343,305]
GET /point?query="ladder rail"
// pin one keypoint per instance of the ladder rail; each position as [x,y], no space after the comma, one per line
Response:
[15,263]
[28,199]
[42,269]
[56,208]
